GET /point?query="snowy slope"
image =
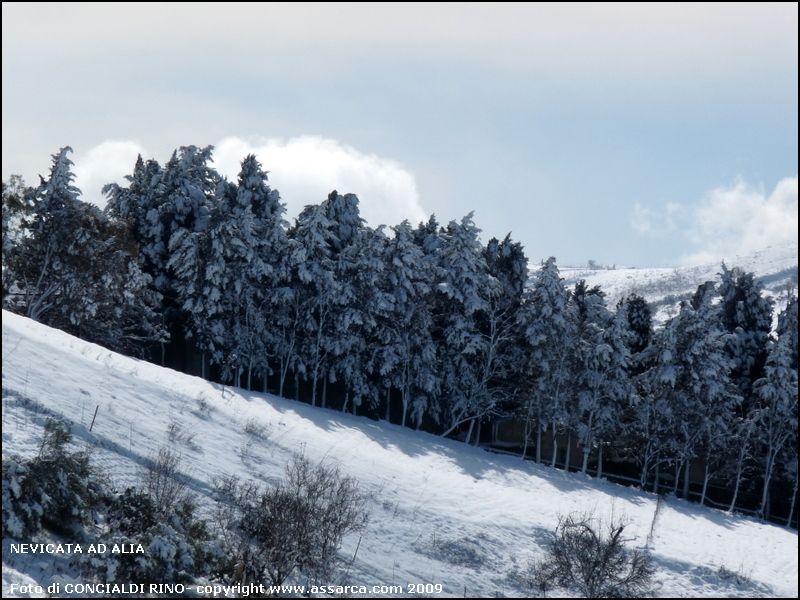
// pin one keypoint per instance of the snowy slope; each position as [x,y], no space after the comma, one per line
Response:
[441,512]
[775,266]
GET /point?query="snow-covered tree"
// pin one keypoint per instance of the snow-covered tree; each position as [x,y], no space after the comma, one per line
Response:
[691,374]
[318,289]
[500,327]
[77,271]
[604,389]
[640,323]
[406,353]
[17,207]
[747,314]
[243,263]
[464,287]
[776,414]
[550,334]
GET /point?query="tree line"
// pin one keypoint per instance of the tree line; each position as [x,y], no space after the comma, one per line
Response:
[422,323]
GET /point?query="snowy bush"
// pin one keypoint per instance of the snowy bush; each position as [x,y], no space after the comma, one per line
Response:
[177,546]
[588,556]
[56,489]
[23,501]
[297,525]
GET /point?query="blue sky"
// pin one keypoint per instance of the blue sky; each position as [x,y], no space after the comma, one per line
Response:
[614,132]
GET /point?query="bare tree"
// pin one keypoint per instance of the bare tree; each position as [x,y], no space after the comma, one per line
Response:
[589,556]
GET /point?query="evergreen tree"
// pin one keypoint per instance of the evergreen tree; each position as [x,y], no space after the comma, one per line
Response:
[747,314]
[550,334]
[776,415]
[465,288]
[406,351]
[691,374]
[77,271]
[17,207]
[604,390]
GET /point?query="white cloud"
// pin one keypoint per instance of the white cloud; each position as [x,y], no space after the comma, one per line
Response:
[108,162]
[741,219]
[728,221]
[305,169]
[656,223]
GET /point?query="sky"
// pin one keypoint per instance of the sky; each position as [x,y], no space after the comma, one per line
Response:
[627,134]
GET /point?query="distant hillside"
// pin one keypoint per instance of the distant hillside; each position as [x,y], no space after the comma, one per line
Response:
[664,287]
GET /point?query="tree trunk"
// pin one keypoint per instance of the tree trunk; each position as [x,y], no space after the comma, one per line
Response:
[739,469]
[600,461]
[527,435]
[555,448]
[706,475]
[325,393]
[538,443]
[265,379]
[791,504]
[569,452]
[686,474]
[469,431]
[314,381]
[203,365]
[478,435]
[585,464]
[678,465]
[645,472]
[163,354]
[282,379]
[657,475]
[405,408]
[388,404]
[346,400]
[297,386]
[767,479]
[250,375]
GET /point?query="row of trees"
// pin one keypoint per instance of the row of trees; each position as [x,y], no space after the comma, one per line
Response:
[451,331]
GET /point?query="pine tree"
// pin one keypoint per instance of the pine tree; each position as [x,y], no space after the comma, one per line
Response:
[691,375]
[550,333]
[747,314]
[406,351]
[17,208]
[776,415]
[464,288]
[77,270]
[319,289]
[499,325]
[604,390]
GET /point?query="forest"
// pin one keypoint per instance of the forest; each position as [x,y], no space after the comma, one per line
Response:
[423,325]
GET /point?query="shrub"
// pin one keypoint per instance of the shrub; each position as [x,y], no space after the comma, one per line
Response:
[589,556]
[56,489]
[163,482]
[178,546]
[297,525]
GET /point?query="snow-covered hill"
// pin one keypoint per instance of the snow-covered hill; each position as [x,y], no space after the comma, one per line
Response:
[664,287]
[441,512]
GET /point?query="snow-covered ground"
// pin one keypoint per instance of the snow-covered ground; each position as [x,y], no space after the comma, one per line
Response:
[441,512]
[664,287]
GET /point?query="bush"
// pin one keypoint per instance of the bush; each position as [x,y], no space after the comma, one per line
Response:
[56,489]
[589,556]
[296,525]
[178,547]
[163,482]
